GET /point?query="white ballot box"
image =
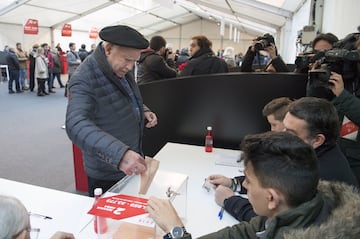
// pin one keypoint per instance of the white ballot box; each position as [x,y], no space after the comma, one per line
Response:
[123,207]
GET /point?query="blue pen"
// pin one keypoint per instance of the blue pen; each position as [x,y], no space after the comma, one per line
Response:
[221,212]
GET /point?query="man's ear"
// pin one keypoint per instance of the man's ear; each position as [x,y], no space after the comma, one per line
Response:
[107,49]
[274,198]
[318,140]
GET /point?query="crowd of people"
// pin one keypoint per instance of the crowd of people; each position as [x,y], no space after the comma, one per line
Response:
[40,66]
[297,177]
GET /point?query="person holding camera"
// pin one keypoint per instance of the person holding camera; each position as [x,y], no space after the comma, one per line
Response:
[267,44]
[156,62]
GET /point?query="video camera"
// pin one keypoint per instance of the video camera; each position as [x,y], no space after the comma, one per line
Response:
[264,41]
[336,60]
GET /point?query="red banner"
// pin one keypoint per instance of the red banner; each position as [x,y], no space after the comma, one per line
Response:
[31,27]
[93,34]
[66,30]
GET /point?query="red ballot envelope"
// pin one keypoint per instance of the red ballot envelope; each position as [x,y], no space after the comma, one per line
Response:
[119,207]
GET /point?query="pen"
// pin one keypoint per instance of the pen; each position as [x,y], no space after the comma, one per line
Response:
[39,215]
[221,212]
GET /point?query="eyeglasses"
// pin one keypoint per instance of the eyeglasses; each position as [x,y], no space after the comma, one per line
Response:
[34,232]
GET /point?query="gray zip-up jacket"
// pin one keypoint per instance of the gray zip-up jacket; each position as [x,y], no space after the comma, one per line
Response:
[101,118]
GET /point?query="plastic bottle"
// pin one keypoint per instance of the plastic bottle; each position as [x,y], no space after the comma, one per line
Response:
[99,222]
[209,140]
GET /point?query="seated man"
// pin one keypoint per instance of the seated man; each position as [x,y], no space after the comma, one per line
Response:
[267,44]
[315,121]
[282,175]
[275,111]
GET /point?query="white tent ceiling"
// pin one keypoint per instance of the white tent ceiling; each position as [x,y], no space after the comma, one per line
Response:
[150,16]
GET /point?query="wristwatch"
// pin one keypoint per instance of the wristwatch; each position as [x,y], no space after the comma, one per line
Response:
[176,232]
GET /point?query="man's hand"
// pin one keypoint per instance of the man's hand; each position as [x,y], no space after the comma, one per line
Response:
[163,213]
[271,50]
[151,118]
[337,83]
[132,163]
[222,193]
[217,180]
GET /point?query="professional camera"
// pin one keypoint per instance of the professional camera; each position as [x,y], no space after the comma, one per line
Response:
[302,62]
[263,42]
[337,60]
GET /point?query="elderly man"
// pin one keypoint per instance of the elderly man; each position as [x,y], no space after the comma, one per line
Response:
[105,114]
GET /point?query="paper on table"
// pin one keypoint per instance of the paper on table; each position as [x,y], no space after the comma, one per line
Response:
[229,159]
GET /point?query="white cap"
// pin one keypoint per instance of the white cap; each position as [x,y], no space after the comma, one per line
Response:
[97,191]
[209,128]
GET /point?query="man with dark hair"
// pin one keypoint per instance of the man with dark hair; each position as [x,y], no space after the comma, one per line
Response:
[324,41]
[282,182]
[316,122]
[82,52]
[275,112]
[202,59]
[156,62]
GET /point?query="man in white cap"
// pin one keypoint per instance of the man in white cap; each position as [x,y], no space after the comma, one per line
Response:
[105,114]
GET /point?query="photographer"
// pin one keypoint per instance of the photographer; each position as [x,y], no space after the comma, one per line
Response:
[321,43]
[266,43]
[338,82]
[156,62]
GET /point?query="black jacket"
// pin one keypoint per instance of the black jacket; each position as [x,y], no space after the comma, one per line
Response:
[204,62]
[333,167]
[152,67]
[12,61]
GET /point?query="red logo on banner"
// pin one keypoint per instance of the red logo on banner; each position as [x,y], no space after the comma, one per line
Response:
[348,128]
[31,27]
[119,207]
[66,30]
[93,34]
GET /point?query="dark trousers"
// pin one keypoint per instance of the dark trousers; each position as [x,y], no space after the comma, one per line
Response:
[41,85]
[14,76]
[97,183]
[32,77]
[58,77]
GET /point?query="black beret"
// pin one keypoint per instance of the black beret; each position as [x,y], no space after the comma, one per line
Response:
[124,36]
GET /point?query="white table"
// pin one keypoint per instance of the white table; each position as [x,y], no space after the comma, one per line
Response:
[68,211]
[202,210]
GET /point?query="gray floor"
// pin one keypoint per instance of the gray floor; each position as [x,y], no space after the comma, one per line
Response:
[34,148]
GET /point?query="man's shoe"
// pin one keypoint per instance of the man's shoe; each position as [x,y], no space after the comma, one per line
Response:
[52,91]
[25,88]
[11,92]
[19,91]
[46,93]
[62,86]
[40,94]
